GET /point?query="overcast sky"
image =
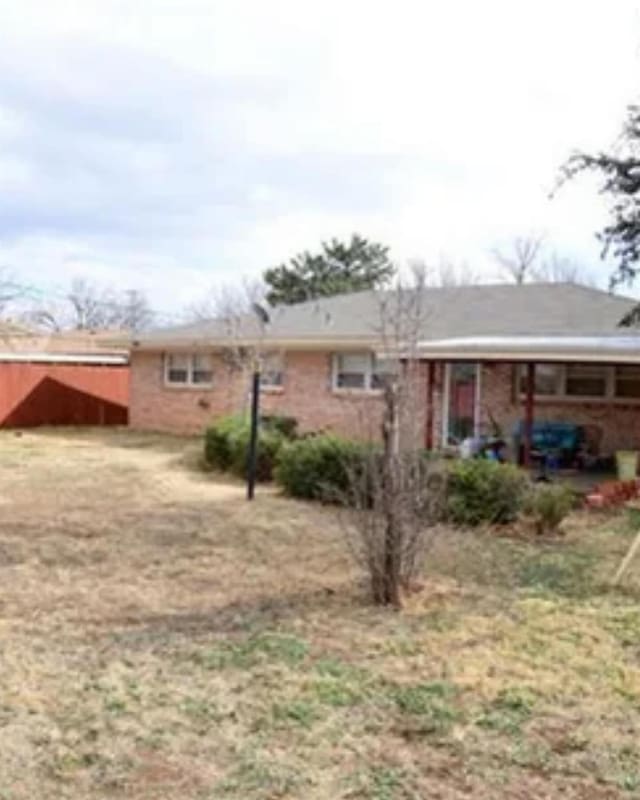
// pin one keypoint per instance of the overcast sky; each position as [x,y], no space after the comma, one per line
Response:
[170,145]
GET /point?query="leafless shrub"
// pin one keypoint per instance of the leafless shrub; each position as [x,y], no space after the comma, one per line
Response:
[396,493]
[240,310]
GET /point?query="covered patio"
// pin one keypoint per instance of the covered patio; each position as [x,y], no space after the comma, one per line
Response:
[568,403]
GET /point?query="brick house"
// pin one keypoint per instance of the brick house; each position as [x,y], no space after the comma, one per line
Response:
[491,354]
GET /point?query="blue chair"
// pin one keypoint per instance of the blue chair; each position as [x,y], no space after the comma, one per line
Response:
[553,444]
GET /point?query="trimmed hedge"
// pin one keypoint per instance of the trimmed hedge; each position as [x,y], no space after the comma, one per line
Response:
[482,491]
[226,446]
[318,467]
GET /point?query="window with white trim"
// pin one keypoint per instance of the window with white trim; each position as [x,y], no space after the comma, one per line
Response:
[188,369]
[272,371]
[361,371]
[583,381]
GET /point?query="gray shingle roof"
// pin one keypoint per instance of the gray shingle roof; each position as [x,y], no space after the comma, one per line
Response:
[483,310]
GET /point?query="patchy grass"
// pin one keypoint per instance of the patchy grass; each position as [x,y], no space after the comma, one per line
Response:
[163,639]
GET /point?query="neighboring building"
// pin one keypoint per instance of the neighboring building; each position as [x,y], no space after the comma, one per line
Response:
[477,346]
[67,378]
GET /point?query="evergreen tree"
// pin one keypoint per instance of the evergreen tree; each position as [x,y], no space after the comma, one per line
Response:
[620,174]
[338,268]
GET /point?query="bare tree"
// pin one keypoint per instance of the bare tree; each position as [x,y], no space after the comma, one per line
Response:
[518,263]
[396,494]
[87,306]
[559,269]
[133,312]
[447,274]
[240,309]
[228,301]
[91,307]
[10,289]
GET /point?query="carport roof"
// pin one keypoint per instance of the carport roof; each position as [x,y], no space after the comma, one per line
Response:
[89,347]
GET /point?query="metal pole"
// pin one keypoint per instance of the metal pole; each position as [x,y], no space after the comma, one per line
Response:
[528,414]
[252,456]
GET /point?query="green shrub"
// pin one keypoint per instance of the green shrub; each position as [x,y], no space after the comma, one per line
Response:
[318,467]
[218,451]
[269,444]
[227,444]
[547,504]
[482,491]
[287,426]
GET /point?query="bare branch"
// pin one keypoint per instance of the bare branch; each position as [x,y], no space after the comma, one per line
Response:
[518,262]
[10,289]
[86,306]
[396,493]
[447,274]
[557,269]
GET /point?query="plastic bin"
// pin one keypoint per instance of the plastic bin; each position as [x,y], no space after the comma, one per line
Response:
[627,464]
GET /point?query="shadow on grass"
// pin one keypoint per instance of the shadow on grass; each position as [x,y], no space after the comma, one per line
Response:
[259,614]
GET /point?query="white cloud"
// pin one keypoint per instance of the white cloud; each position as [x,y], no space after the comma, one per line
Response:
[175,143]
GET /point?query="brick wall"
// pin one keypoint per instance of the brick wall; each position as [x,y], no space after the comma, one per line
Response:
[619,423]
[154,406]
[307,395]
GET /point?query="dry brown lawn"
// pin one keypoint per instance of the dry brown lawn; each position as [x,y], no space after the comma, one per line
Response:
[161,638]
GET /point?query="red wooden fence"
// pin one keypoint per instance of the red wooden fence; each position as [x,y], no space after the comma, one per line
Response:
[63,394]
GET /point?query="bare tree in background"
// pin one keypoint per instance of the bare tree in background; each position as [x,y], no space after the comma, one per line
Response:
[133,311]
[87,306]
[447,274]
[396,495]
[518,262]
[10,290]
[228,301]
[243,316]
[558,269]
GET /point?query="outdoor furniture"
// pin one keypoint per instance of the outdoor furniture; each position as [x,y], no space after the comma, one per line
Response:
[553,444]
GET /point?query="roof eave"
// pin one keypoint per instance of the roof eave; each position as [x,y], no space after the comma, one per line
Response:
[297,343]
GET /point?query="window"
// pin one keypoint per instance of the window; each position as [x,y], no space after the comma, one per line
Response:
[188,369]
[177,368]
[361,371]
[627,382]
[272,372]
[383,370]
[586,380]
[548,379]
[201,371]
[352,370]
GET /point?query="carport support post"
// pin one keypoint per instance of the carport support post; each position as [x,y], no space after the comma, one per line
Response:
[252,459]
[431,379]
[528,414]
